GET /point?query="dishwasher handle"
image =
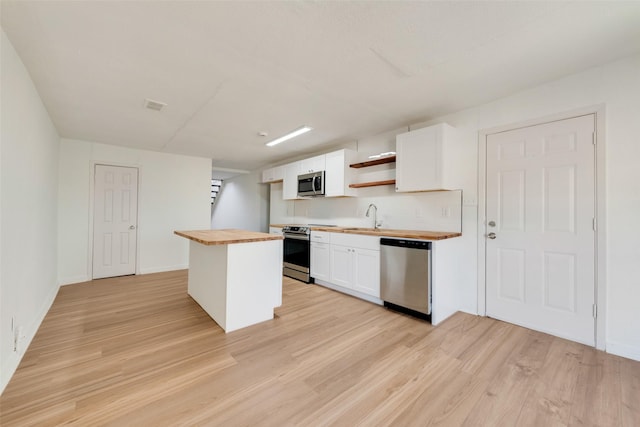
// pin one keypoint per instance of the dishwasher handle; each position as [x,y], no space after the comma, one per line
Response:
[401,243]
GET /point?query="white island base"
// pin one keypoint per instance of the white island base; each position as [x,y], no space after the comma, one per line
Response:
[237,284]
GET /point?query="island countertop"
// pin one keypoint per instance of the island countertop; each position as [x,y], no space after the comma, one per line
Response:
[226,236]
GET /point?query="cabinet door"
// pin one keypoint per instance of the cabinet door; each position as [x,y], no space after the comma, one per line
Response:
[313,164]
[366,273]
[418,160]
[320,261]
[341,266]
[273,174]
[275,230]
[290,182]
[338,174]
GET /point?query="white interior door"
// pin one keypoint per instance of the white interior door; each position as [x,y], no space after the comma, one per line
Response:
[540,245]
[115,217]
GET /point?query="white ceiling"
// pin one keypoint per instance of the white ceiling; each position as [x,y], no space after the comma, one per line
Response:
[228,70]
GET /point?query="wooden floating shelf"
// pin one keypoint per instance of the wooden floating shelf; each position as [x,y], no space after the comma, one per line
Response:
[373,183]
[368,163]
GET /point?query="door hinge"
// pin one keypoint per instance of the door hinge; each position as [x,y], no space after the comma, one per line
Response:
[595,311]
[593,138]
[594,225]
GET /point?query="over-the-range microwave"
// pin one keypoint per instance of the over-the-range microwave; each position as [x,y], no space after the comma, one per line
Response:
[311,184]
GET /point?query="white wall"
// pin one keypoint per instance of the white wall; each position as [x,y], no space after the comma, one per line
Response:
[28,198]
[617,85]
[242,203]
[174,194]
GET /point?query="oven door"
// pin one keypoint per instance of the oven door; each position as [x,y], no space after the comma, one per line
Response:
[296,256]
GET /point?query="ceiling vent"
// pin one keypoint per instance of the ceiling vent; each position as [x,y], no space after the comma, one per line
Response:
[154,105]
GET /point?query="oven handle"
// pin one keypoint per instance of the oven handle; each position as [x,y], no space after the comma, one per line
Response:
[296,237]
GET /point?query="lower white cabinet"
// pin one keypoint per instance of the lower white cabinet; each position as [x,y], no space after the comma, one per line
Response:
[341,266]
[366,274]
[354,267]
[275,230]
[320,261]
[320,255]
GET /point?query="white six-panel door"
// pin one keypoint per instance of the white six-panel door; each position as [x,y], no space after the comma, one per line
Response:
[114,221]
[540,244]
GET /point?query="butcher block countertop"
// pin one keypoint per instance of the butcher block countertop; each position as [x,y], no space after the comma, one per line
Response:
[387,232]
[227,236]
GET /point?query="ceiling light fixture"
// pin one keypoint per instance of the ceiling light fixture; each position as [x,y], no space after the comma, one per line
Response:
[377,156]
[288,136]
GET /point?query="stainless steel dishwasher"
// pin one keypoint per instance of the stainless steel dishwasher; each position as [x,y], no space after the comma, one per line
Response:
[405,274]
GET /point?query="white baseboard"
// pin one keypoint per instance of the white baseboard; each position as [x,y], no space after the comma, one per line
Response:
[163,269]
[623,350]
[64,281]
[73,280]
[10,365]
[350,292]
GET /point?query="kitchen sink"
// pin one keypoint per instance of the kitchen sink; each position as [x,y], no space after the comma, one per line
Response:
[360,229]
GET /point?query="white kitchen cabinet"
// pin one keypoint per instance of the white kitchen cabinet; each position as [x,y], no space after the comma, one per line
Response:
[341,266]
[320,255]
[425,159]
[338,174]
[273,174]
[366,274]
[355,263]
[290,181]
[275,230]
[313,164]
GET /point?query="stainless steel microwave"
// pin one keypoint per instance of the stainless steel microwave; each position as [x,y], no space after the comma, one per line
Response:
[311,184]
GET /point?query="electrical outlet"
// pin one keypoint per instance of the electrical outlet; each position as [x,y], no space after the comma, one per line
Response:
[469,200]
[18,338]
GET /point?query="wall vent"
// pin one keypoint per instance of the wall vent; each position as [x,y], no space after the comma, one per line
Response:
[154,105]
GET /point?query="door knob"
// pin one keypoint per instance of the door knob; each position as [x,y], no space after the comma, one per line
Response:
[491,236]
[132,227]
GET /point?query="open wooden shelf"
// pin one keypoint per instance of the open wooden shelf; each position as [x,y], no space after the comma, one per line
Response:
[373,183]
[379,161]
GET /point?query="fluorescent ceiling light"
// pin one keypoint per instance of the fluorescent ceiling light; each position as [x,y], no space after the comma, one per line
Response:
[290,135]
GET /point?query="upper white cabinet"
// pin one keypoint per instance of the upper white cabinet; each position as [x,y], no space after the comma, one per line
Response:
[338,173]
[313,164]
[290,181]
[292,170]
[425,159]
[273,174]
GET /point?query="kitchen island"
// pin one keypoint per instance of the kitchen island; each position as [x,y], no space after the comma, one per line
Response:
[235,275]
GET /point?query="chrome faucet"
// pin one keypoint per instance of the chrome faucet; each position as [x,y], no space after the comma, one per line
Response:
[375,215]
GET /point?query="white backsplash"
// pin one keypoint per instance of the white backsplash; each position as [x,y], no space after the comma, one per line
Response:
[433,211]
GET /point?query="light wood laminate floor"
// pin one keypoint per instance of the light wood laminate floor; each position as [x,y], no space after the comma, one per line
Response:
[138,351]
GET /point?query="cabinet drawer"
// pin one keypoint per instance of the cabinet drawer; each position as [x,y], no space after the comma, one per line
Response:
[321,236]
[356,241]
